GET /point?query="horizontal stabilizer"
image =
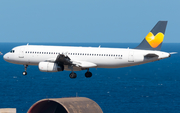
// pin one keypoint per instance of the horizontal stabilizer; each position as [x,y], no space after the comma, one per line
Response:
[150,55]
[173,53]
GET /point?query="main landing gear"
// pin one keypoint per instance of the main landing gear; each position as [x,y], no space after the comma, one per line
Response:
[88,74]
[25,68]
[73,75]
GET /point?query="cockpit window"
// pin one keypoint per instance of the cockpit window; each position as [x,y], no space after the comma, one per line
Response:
[12,51]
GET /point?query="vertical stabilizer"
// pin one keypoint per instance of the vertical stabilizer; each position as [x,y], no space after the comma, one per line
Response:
[154,39]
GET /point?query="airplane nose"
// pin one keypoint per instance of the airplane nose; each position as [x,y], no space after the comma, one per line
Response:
[6,57]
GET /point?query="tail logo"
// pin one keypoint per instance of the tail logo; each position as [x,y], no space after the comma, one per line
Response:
[155,41]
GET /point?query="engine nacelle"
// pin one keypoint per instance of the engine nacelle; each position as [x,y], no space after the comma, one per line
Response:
[50,67]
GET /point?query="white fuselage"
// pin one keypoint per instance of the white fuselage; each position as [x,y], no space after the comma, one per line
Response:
[102,57]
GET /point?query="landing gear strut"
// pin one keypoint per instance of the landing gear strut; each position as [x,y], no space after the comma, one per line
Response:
[88,74]
[25,68]
[72,74]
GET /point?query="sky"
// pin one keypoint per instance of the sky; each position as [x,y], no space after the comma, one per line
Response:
[86,21]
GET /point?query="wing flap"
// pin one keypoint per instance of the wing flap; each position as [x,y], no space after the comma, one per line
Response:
[84,64]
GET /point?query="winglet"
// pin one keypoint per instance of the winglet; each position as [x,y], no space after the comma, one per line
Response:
[154,39]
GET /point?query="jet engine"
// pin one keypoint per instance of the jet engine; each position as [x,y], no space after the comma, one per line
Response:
[50,67]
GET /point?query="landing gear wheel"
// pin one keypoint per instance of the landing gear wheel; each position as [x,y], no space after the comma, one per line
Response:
[72,75]
[88,74]
[24,73]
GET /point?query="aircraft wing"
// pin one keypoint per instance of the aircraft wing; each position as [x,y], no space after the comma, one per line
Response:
[65,60]
[84,64]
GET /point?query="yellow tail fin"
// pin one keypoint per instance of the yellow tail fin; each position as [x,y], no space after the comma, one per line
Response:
[154,39]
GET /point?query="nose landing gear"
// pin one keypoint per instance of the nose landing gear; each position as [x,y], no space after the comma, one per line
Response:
[24,73]
[25,68]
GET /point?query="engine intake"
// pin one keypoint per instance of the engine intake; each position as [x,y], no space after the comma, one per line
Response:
[50,67]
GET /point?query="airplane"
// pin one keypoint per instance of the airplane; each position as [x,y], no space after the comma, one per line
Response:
[60,58]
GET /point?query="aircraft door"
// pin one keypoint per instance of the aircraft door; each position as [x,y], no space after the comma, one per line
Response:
[21,53]
[131,56]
